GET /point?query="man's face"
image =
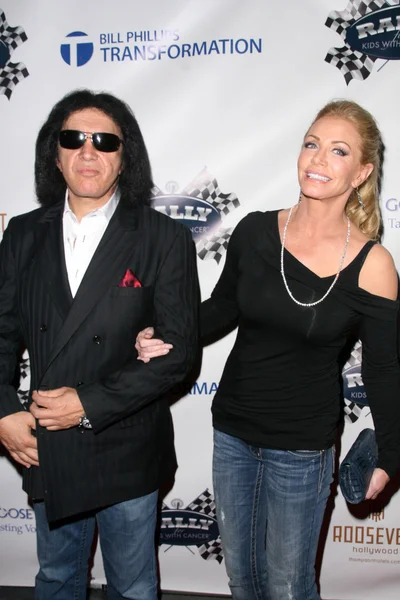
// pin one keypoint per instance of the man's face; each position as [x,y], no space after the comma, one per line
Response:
[89,173]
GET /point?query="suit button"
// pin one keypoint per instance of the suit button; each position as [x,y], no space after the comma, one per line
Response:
[97,339]
[43,328]
[79,383]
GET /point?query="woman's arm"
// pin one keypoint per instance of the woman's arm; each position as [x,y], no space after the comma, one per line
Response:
[380,365]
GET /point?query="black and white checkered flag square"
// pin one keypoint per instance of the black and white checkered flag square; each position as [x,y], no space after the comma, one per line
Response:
[355,357]
[10,76]
[212,551]
[214,245]
[12,36]
[206,187]
[352,411]
[351,63]
[204,504]
[24,378]
[340,20]
[11,73]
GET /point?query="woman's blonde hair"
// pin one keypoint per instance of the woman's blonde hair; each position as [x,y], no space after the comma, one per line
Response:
[368,217]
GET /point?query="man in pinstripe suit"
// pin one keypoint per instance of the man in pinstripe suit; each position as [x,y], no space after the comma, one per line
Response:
[79,277]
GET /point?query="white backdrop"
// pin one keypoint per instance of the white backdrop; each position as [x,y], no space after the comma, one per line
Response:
[223,91]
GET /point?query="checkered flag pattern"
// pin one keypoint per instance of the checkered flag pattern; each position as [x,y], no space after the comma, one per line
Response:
[12,36]
[352,411]
[204,504]
[10,76]
[25,372]
[351,63]
[11,73]
[355,357]
[212,551]
[206,187]
[214,245]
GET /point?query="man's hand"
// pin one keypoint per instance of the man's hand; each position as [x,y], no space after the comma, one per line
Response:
[16,435]
[57,409]
[378,482]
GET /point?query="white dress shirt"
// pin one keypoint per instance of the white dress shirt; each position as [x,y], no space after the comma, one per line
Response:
[82,238]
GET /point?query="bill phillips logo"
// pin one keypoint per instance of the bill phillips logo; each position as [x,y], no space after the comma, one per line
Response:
[370,30]
[11,74]
[77,49]
[355,397]
[192,526]
[202,207]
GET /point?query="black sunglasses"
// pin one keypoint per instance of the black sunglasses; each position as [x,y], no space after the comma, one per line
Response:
[72,139]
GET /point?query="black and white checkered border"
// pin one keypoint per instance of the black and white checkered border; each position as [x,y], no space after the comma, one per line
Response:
[204,504]
[12,36]
[12,73]
[352,411]
[214,245]
[10,76]
[24,379]
[355,357]
[351,63]
[211,193]
[340,20]
[212,551]
[205,187]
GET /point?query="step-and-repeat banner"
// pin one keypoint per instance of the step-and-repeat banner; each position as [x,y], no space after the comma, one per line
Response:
[223,91]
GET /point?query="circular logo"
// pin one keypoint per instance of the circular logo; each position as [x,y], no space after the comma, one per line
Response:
[4,54]
[376,34]
[199,216]
[77,52]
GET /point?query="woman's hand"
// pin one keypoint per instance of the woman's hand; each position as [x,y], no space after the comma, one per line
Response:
[148,347]
[378,482]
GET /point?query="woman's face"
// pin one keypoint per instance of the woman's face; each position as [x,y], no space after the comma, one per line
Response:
[329,165]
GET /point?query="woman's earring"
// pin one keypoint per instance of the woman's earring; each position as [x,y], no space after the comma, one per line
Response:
[360,202]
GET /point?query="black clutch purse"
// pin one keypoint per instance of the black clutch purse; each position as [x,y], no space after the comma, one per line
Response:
[356,469]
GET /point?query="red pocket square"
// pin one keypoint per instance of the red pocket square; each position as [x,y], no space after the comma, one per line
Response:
[129,280]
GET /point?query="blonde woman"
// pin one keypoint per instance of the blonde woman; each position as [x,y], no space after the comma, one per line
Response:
[300,282]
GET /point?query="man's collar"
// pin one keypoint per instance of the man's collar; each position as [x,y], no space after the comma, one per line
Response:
[107,209]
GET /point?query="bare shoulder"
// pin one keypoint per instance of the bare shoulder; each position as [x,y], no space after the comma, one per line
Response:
[378,274]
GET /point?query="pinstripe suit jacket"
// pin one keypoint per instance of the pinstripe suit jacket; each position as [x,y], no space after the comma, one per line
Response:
[88,343]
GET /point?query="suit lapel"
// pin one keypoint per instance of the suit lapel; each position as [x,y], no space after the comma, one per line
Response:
[105,270]
[50,258]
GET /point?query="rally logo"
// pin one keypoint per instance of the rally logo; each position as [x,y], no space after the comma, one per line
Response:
[77,50]
[370,30]
[202,207]
[10,73]
[355,397]
[192,526]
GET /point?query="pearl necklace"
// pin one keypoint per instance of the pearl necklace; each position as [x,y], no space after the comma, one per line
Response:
[337,274]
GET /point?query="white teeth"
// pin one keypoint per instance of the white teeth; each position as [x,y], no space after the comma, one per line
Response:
[316,176]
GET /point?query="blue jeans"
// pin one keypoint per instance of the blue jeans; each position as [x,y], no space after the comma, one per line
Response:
[126,532]
[270,505]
